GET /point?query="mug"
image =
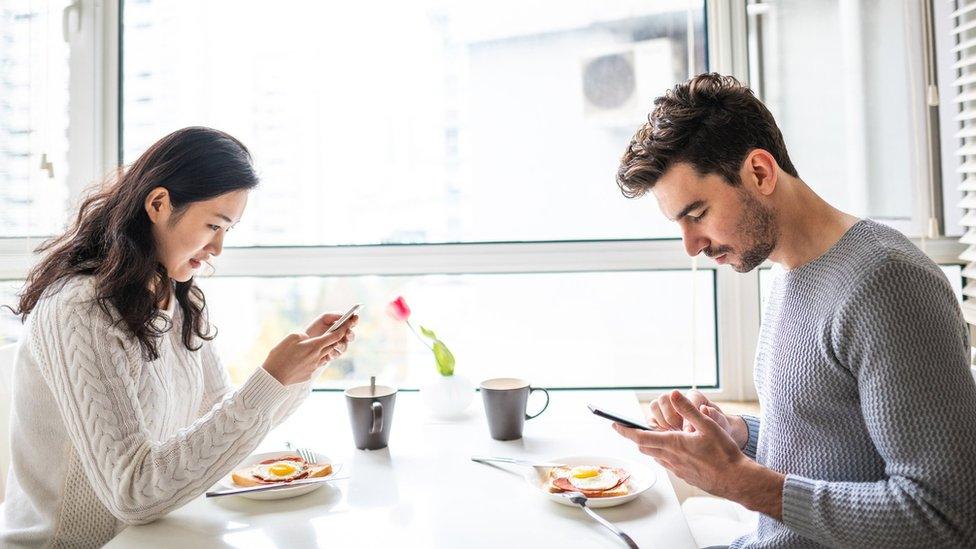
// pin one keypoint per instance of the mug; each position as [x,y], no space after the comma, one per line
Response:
[505,401]
[371,414]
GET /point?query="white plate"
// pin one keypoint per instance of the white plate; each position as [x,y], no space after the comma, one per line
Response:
[281,493]
[641,478]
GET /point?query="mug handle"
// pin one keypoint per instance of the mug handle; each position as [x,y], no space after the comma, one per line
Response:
[377,409]
[546,405]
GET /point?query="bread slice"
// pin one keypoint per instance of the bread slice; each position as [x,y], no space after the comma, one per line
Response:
[319,470]
[620,490]
[243,477]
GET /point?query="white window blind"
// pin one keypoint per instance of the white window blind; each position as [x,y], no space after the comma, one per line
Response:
[964,36]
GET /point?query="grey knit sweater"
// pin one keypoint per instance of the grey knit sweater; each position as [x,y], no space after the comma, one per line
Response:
[868,404]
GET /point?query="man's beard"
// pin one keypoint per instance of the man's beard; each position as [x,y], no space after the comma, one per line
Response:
[757,225]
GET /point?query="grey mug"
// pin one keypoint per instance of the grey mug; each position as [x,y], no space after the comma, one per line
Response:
[371,415]
[505,400]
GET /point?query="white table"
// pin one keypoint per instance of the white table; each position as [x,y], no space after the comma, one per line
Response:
[424,491]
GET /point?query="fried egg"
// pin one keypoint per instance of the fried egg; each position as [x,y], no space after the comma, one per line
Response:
[589,479]
[592,477]
[279,470]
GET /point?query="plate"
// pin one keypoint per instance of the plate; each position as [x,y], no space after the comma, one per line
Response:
[641,478]
[281,493]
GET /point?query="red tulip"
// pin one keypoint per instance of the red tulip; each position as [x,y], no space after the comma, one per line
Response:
[398,309]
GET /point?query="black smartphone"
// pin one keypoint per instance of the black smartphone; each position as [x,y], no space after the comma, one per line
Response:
[618,419]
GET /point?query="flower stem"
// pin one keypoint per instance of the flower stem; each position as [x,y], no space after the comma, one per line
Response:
[422,340]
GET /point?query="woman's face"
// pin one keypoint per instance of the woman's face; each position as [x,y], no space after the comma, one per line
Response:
[186,239]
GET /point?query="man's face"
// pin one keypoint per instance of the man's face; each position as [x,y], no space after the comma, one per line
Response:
[727,223]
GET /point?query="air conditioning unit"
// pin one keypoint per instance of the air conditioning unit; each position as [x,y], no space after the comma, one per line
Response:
[619,86]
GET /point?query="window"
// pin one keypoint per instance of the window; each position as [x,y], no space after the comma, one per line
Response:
[587,329]
[853,110]
[439,123]
[33,118]
[462,155]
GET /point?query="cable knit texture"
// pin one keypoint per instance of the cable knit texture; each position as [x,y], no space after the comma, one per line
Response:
[868,404]
[100,438]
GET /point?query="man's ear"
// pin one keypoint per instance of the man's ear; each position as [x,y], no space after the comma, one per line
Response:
[760,171]
[158,205]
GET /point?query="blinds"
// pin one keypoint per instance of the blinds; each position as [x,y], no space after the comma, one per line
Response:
[964,36]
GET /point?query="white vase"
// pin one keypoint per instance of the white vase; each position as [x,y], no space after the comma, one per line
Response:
[447,396]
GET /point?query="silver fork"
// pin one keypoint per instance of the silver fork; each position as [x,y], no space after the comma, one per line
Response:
[580,499]
[307,455]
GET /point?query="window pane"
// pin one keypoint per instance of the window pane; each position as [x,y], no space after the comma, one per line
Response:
[33,118]
[437,122]
[852,111]
[559,329]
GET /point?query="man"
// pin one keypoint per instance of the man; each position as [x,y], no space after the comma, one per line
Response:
[868,434]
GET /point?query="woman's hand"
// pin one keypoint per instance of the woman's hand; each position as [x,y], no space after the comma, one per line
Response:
[298,355]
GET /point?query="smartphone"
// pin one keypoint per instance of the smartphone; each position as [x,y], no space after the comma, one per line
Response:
[618,419]
[342,319]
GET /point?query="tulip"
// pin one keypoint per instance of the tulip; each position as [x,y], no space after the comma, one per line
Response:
[399,310]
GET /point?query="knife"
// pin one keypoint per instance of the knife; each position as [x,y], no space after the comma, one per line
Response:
[516,461]
[269,487]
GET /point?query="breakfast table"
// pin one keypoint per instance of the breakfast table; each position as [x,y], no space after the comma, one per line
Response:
[424,490]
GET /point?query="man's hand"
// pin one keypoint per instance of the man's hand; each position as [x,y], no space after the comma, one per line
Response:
[706,456]
[667,417]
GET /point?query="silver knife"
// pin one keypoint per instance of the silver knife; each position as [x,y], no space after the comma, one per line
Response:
[269,487]
[515,461]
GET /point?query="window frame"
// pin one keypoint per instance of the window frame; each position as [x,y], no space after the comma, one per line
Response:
[96,78]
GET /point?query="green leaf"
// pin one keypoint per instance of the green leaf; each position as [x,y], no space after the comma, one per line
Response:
[428,333]
[445,360]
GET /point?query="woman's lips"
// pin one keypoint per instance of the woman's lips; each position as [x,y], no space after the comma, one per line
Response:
[195,263]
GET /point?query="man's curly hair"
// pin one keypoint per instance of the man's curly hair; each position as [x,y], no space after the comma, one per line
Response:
[711,122]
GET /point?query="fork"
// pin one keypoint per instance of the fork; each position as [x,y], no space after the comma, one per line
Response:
[307,455]
[580,499]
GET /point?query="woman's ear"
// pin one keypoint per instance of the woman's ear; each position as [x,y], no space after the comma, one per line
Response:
[158,205]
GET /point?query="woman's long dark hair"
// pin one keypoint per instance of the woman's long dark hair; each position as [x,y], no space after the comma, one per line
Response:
[111,239]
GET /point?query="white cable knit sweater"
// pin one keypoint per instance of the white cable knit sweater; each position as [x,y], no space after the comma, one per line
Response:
[100,438]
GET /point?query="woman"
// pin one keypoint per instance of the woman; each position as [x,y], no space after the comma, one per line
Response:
[122,411]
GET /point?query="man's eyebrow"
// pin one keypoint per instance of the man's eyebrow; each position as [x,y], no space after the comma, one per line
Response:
[689,208]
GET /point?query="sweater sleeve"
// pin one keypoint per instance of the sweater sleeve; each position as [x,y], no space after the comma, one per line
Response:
[91,367]
[217,386]
[752,424]
[216,382]
[902,337]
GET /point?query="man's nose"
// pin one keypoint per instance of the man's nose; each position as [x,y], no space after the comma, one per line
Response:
[694,243]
